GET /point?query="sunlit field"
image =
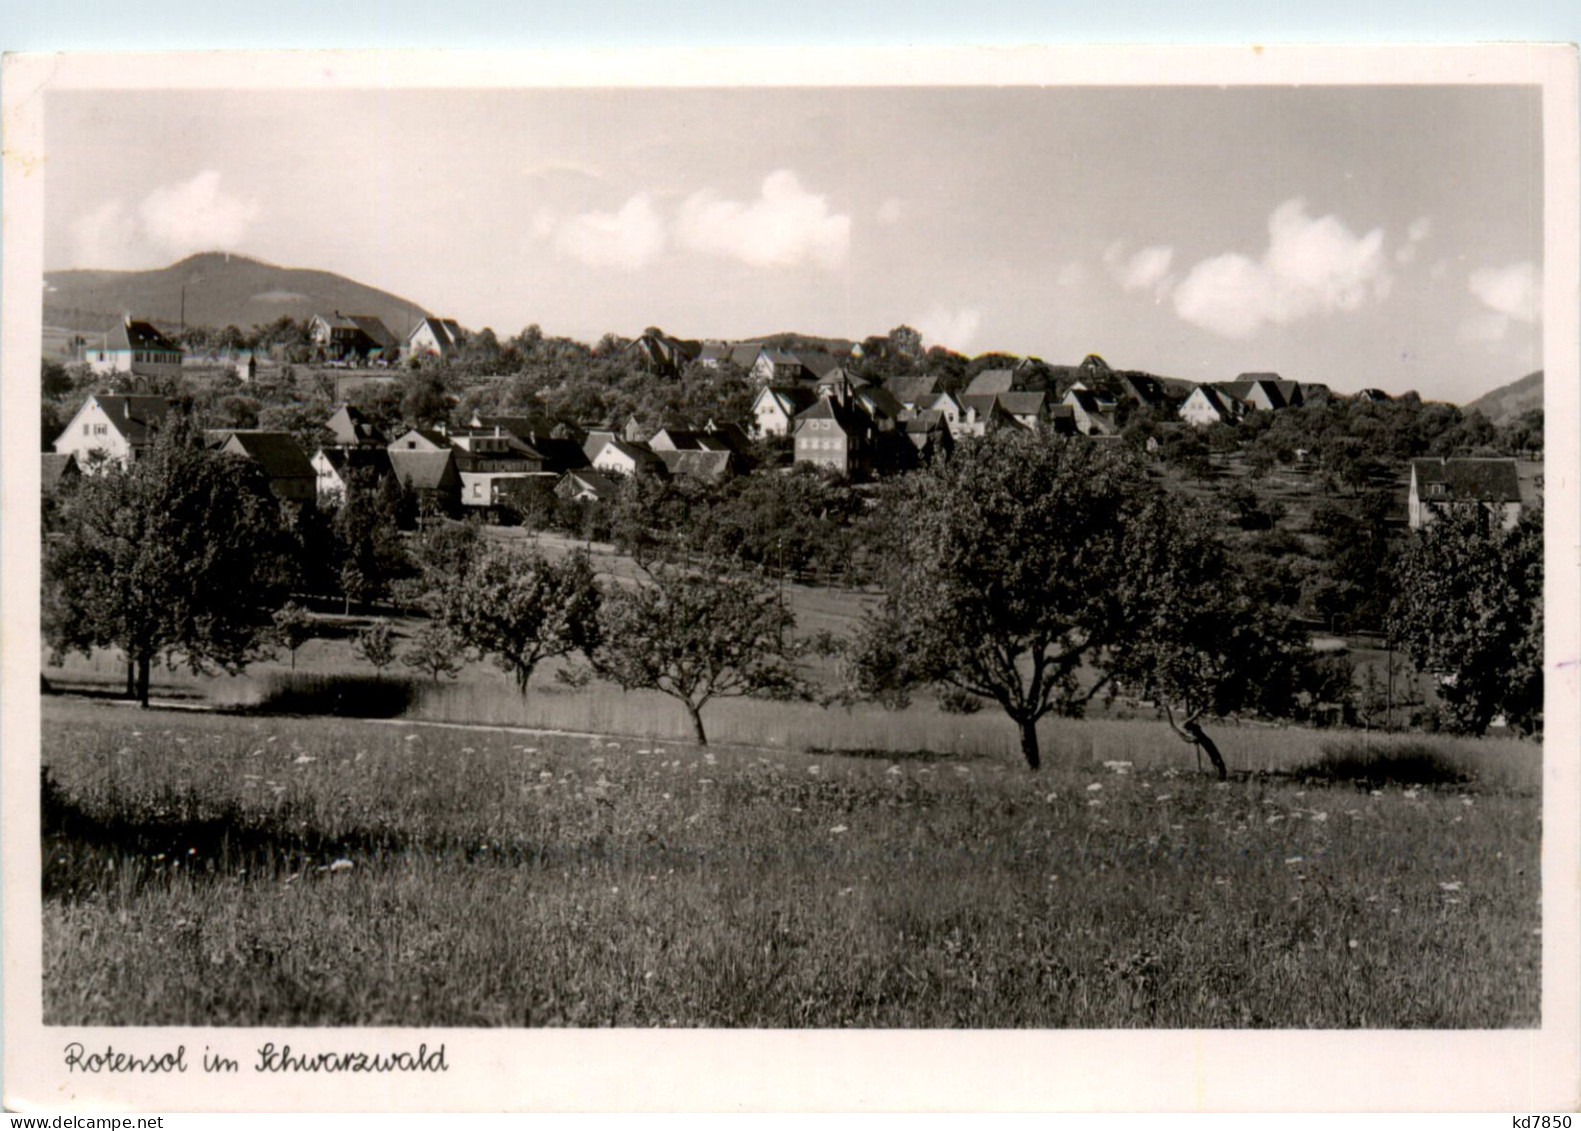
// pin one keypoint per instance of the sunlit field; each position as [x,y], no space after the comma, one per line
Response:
[206,869]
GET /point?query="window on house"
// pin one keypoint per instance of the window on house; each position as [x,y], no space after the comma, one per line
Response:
[101,429]
[85,430]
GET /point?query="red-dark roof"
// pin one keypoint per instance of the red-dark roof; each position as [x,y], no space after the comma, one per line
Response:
[134,335]
[277,453]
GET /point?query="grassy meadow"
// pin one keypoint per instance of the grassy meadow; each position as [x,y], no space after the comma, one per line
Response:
[233,870]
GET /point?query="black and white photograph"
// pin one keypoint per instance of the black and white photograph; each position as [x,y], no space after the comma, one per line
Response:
[948,547]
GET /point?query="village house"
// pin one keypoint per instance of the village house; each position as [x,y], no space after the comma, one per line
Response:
[1029,409]
[1440,484]
[948,404]
[657,352]
[1265,392]
[1209,405]
[292,476]
[112,426]
[494,450]
[334,468]
[435,337]
[1093,415]
[559,446]
[832,436]
[430,475]
[616,455]
[421,440]
[138,348]
[929,434]
[491,492]
[587,486]
[352,429]
[912,391]
[350,336]
[777,406]
[706,465]
[991,382]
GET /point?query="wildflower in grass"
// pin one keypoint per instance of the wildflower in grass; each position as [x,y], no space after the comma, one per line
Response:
[1294,859]
[1452,885]
[409,738]
[893,770]
[1320,816]
[1094,803]
[1411,794]
[1094,787]
[1353,944]
[303,759]
[1051,798]
[1466,801]
[838,829]
[1164,797]
[341,865]
[1118,767]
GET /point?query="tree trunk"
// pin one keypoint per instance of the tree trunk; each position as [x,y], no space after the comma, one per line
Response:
[1029,744]
[143,665]
[697,724]
[1206,744]
[131,679]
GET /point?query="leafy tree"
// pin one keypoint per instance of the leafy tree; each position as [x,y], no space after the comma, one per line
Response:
[376,644]
[180,555]
[1198,640]
[1008,557]
[1468,609]
[520,608]
[367,526]
[699,635]
[435,651]
[293,627]
[55,381]
[423,399]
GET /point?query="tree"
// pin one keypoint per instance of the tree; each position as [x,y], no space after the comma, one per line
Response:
[520,608]
[293,627]
[376,645]
[1198,637]
[1007,560]
[180,555]
[1468,609]
[435,651]
[423,400]
[699,635]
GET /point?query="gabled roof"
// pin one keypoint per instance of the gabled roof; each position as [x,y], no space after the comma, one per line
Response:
[745,354]
[428,440]
[640,454]
[1023,404]
[714,351]
[277,453]
[1489,480]
[375,328]
[980,403]
[345,461]
[687,440]
[939,400]
[991,381]
[709,465]
[132,334]
[828,408]
[1142,387]
[818,363]
[912,390]
[596,439]
[337,321]
[879,402]
[923,420]
[1226,404]
[352,426]
[425,471]
[792,399]
[134,416]
[445,331]
[600,485]
[1277,396]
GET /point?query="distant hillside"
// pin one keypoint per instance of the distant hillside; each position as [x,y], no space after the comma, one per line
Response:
[790,340]
[1509,401]
[221,290]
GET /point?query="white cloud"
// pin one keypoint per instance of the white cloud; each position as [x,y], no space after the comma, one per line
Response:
[562,167]
[890,211]
[1485,327]
[108,237]
[784,227]
[1512,291]
[1405,254]
[1146,268]
[629,239]
[196,216]
[172,221]
[952,329]
[1311,266]
[1420,229]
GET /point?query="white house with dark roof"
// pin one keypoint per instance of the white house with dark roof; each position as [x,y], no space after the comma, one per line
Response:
[776,406]
[138,347]
[1438,485]
[292,476]
[435,337]
[1209,405]
[120,427]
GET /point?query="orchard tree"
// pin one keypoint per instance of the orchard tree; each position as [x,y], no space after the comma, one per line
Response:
[435,651]
[293,627]
[376,644]
[698,635]
[1009,558]
[520,608]
[181,555]
[1468,609]
[1199,638]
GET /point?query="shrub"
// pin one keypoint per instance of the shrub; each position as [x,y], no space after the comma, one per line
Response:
[348,696]
[1365,764]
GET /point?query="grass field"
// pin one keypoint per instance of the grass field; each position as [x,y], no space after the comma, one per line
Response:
[203,869]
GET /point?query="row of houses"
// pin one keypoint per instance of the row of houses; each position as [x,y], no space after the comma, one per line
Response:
[138,346]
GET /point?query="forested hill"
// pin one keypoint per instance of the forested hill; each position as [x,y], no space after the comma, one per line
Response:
[1509,401]
[221,290]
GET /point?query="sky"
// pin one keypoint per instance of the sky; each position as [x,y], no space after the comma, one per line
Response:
[1360,236]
